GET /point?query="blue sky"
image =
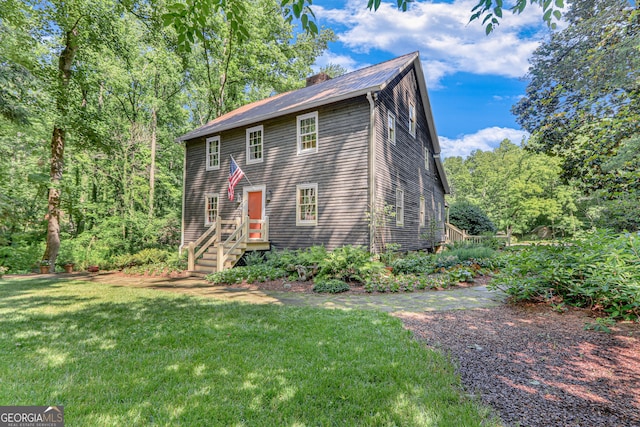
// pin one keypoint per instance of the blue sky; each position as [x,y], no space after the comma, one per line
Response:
[473,79]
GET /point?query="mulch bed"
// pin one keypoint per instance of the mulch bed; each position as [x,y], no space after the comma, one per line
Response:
[537,367]
[355,288]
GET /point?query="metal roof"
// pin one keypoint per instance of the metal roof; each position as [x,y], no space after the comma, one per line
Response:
[350,85]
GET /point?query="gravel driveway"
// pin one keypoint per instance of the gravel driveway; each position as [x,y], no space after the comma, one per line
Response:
[540,368]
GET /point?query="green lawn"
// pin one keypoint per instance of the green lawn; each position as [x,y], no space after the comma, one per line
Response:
[116,356]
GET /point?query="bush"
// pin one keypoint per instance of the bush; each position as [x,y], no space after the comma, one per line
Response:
[471,218]
[414,263]
[332,286]
[405,282]
[252,274]
[144,257]
[600,271]
[345,263]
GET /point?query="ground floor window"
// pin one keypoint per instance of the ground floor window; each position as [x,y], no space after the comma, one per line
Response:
[210,208]
[307,204]
[399,207]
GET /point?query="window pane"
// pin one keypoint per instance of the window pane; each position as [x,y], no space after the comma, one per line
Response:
[255,145]
[308,133]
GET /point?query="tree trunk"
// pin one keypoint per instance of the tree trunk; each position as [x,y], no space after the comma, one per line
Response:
[152,171]
[57,149]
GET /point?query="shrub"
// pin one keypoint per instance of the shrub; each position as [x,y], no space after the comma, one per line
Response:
[414,263]
[599,271]
[345,263]
[405,282]
[332,286]
[252,274]
[471,218]
[144,257]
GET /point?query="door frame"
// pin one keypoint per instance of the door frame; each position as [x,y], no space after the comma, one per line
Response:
[245,198]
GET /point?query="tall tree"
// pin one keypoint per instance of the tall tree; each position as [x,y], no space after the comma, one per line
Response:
[583,98]
[518,190]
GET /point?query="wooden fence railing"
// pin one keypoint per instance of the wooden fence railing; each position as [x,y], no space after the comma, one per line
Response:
[454,234]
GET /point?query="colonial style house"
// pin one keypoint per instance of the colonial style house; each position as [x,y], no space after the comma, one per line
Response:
[353,160]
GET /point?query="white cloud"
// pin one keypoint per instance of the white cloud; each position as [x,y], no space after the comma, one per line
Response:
[345,61]
[485,140]
[447,42]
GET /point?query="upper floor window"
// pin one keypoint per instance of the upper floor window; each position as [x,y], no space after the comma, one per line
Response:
[210,208]
[399,207]
[255,144]
[391,128]
[308,133]
[307,204]
[412,119]
[213,153]
[426,157]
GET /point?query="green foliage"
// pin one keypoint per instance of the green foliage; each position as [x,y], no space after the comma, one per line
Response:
[461,274]
[491,12]
[22,252]
[332,286]
[583,88]
[250,274]
[518,189]
[345,263]
[414,263]
[601,324]
[471,218]
[599,271]
[480,255]
[405,282]
[253,258]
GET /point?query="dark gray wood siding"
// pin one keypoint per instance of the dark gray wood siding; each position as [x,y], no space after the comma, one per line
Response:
[339,168]
[403,165]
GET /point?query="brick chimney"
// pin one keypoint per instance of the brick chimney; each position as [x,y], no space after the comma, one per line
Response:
[317,78]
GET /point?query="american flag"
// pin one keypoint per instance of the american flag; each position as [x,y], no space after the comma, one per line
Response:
[235,175]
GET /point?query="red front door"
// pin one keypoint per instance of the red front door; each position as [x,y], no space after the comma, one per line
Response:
[254,209]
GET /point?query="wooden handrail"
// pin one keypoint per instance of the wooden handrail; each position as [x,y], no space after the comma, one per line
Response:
[454,234]
[239,235]
[193,255]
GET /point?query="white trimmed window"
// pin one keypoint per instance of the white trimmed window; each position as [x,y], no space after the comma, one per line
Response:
[391,128]
[439,212]
[254,144]
[210,208]
[307,204]
[399,207]
[423,211]
[213,153]
[308,133]
[412,119]
[426,158]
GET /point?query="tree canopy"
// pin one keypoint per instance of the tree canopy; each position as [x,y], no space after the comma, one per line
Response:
[582,102]
[92,97]
[518,189]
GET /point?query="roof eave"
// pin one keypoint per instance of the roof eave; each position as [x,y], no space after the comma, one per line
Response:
[443,176]
[422,85]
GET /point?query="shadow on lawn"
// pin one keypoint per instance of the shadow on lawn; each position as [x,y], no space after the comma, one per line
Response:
[130,357]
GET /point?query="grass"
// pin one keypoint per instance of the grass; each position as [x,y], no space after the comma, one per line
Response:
[118,356]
